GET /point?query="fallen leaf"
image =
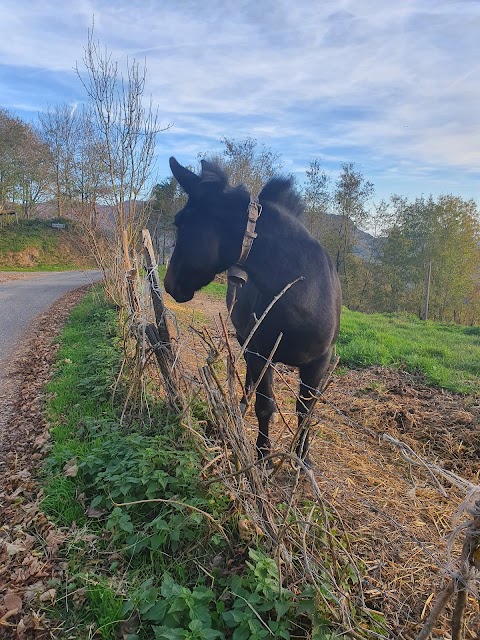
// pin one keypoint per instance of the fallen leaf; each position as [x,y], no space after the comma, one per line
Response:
[48,596]
[95,513]
[13,601]
[129,627]
[70,470]
[21,629]
[13,549]
[54,541]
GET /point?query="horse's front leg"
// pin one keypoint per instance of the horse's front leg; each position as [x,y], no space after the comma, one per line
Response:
[264,403]
[310,377]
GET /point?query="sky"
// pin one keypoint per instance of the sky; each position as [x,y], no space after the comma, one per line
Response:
[393,87]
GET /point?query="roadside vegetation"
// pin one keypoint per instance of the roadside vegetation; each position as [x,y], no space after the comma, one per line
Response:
[33,245]
[155,554]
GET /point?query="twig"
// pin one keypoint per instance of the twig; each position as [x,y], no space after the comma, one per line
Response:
[437,609]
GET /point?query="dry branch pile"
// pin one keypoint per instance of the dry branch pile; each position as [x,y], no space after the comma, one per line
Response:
[372,526]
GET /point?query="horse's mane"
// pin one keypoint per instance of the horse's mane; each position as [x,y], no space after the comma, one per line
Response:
[280,191]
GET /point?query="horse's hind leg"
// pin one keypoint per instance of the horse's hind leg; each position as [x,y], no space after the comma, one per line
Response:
[310,377]
[264,403]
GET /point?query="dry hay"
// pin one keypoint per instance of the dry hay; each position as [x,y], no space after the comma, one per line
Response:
[396,513]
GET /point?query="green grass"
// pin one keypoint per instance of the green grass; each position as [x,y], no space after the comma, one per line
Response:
[447,355]
[216,289]
[79,391]
[33,245]
[43,267]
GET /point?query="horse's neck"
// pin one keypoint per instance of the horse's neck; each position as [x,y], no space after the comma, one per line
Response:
[280,252]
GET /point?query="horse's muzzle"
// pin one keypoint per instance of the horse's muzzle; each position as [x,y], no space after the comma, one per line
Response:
[177,293]
[181,296]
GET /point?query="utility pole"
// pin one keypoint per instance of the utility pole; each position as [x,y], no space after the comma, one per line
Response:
[427,290]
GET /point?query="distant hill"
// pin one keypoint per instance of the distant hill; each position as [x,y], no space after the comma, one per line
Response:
[365,243]
[33,245]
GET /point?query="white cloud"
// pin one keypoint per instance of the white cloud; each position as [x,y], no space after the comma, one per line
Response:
[399,80]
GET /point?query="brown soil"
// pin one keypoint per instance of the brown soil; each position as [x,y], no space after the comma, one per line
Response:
[397,515]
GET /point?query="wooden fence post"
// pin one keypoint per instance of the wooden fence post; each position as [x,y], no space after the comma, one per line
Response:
[158,334]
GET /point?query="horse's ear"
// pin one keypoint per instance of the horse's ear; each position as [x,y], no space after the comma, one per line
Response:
[185,178]
[212,174]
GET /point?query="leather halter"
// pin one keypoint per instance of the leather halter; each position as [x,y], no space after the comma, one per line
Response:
[236,273]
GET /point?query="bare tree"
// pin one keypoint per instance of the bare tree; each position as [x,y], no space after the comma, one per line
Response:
[60,131]
[128,129]
[34,173]
[317,198]
[248,164]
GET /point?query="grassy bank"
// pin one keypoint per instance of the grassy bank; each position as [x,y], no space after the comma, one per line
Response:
[447,355]
[33,245]
[156,552]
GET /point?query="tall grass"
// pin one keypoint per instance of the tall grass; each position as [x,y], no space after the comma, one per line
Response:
[447,355]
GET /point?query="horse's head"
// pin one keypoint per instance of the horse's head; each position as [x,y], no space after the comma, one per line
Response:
[209,229]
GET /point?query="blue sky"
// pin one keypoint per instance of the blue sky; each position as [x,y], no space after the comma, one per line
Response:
[392,87]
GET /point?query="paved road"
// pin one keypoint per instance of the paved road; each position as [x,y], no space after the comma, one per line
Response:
[24,298]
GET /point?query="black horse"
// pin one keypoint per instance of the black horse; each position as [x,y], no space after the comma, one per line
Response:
[213,230]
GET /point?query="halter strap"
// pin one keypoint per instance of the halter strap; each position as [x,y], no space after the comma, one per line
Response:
[236,273]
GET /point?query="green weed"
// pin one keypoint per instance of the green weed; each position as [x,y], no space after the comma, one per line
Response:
[60,502]
[105,608]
